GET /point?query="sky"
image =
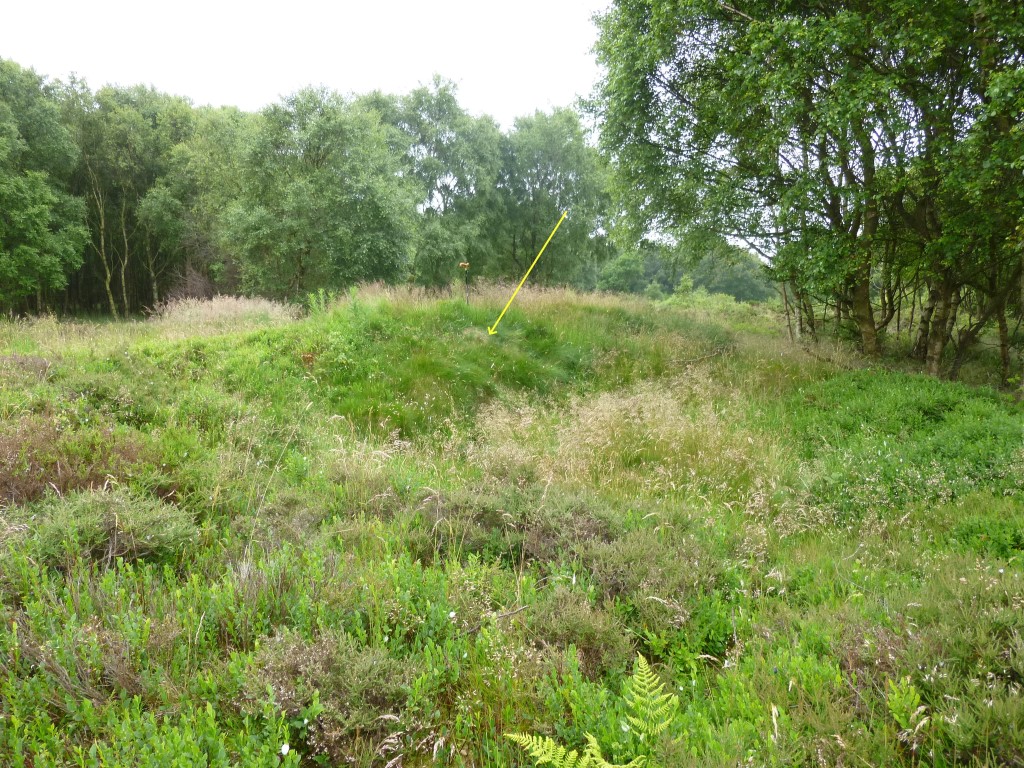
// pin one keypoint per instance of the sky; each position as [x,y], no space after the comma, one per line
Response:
[507,59]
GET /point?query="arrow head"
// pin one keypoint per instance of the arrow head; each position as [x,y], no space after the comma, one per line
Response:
[492,330]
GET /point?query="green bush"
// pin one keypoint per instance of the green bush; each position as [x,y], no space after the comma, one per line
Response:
[104,526]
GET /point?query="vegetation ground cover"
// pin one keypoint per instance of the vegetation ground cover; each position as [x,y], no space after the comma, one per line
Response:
[376,536]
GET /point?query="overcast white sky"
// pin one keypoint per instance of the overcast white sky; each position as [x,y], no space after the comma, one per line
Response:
[508,58]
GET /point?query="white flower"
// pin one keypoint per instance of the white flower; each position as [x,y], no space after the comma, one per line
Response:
[451,615]
[285,749]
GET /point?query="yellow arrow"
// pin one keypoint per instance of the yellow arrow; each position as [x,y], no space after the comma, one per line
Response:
[493,329]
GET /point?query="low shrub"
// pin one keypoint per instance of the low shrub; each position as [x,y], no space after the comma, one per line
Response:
[342,694]
[565,617]
[104,526]
[38,455]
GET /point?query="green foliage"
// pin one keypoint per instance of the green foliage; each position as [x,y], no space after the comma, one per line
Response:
[650,711]
[721,120]
[321,301]
[438,253]
[742,276]
[904,704]
[926,440]
[546,751]
[549,168]
[42,233]
[320,204]
[375,532]
[625,274]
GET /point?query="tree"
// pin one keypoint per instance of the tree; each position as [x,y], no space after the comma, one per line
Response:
[624,274]
[456,159]
[206,175]
[834,138]
[41,225]
[549,168]
[322,203]
[126,138]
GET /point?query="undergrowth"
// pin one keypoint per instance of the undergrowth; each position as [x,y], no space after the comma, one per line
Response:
[377,536]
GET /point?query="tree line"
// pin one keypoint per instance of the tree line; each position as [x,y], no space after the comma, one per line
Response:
[112,200]
[872,152]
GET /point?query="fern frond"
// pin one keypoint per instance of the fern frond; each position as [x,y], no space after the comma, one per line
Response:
[593,754]
[546,751]
[651,709]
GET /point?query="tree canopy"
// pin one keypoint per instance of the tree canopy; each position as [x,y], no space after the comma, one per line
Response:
[867,149]
[116,199]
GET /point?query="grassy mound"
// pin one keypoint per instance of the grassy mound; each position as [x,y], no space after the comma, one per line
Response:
[378,534]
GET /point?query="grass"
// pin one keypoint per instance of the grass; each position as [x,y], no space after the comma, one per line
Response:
[381,537]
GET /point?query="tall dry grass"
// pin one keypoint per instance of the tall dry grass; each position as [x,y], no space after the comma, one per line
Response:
[676,437]
[48,335]
[487,292]
[224,311]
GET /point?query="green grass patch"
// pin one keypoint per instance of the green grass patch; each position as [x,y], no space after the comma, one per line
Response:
[380,534]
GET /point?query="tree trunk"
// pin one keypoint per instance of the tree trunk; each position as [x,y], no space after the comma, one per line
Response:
[151,268]
[920,350]
[954,310]
[938,333]
[862,312]
[1004,346]
[97,198]
[808,314]
[785,304]
[125,256]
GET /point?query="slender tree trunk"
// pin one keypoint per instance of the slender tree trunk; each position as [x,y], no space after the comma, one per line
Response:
[151,268]
[126,255]
[862,310]
[954,311]
[899,312]
[785,303]
[938,333]
[913,305]
[863,313]
[1004,346]
[108,272]
[98,199]
[920,351]
[809,312]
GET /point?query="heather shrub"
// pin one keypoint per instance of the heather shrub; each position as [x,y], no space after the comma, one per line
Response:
[104,526]
[344,695]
